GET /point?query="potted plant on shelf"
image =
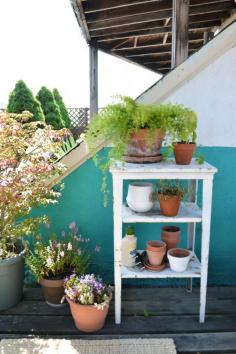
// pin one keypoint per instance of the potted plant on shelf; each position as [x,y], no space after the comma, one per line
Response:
[89,300]
[182,127]
[170,195]
[52,261]
[28,152]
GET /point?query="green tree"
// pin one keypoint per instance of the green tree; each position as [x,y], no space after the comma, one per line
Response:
[50,108]
[22,99]
[64,113]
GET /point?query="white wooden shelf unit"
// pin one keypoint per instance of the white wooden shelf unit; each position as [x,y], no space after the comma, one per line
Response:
[189,213]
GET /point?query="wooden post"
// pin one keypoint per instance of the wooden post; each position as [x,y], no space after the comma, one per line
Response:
[93,73]
[180,18]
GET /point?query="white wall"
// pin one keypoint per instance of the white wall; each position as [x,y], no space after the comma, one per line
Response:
[212,94]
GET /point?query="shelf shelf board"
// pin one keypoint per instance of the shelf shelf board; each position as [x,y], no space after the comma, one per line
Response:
[193,271]
[189,212]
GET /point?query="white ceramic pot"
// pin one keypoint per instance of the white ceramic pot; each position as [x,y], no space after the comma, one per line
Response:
[139,196]
[179,259]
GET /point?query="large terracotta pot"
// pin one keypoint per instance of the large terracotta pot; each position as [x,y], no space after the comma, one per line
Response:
[169,205]
[184,153]
[171,236]
[140,148]
[156,251]
[88,318]
[53,291]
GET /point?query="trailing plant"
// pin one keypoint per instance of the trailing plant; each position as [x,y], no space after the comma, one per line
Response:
[87,290]
[62,107]
[59,256]
[28,161]
[50,108]
[169,188]
[22,99]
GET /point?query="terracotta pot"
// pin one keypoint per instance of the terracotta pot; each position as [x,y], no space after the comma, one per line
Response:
[183,153]
[156,251]
[53,291]
[171,236]
[88,318]
[139,143]
[169,205]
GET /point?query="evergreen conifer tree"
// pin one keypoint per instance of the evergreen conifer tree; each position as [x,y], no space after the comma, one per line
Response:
[22,99]
[50,108]
[63,110]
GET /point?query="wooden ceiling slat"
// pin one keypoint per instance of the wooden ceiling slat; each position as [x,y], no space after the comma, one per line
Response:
[103,5]
[131,14]
[157,54]
[114,33]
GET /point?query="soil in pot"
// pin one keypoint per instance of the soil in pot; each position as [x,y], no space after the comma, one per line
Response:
[171,236]
[88,318]
[183,153]
[53,291]
[169,204]
[141,150]
[156,251]
[11,281]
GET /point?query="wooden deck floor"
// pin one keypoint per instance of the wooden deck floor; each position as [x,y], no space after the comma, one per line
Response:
[154,312]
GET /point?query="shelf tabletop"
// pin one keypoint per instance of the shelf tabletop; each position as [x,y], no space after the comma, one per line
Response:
[168,166]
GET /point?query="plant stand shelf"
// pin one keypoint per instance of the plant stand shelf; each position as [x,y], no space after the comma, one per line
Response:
[189,213]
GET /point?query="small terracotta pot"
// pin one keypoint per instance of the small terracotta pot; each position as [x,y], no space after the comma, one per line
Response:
[53,291]
[183,153]
[139,145]
[171,236]
[88,318]
[156,251]
[169,205]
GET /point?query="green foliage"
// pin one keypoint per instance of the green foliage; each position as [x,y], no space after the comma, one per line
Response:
[68,144]
[50,108]
[63,110]
[170,188]
[130,230]
[59,256]
[22,99]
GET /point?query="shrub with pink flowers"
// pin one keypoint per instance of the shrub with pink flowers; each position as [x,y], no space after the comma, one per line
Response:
[28,162]
[60,256]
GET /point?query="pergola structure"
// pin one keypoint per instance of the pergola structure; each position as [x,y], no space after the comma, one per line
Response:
[156,34]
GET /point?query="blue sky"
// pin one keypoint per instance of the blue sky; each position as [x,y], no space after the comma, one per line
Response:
[41,43]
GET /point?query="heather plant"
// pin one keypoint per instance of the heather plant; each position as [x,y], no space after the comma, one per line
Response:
[22,99]
[50,108]
[28,161]
[59,255]
[87,290]
[62,107]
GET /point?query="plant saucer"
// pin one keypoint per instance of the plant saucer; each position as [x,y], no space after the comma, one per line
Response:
[154,268]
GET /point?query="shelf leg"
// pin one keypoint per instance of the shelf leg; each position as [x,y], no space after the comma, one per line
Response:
[118,204]
[206,223]
[192,192]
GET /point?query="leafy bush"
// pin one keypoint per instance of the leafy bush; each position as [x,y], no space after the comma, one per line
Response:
[22,99]
[50,108]
[28,156]
[63,110]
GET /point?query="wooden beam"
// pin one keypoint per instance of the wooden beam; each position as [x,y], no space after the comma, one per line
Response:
[207,36]
[104,5]
[180,18]
[93,72]
[79,14]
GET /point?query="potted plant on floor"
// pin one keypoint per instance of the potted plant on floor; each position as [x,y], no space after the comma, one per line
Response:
[170,195]
[181,130]
[27,162]
[52,261]
[89,300]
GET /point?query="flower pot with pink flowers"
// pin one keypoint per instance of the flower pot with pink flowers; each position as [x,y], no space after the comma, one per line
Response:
[57,258]
[89,298]
[28,152]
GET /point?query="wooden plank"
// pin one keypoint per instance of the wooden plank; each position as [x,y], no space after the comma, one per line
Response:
[180,18]
[93,73]
[79,14]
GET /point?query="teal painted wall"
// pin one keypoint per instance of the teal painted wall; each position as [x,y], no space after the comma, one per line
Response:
[82,201]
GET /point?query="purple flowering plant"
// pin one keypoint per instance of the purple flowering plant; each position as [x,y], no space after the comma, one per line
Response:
[59,256]
[87,290]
